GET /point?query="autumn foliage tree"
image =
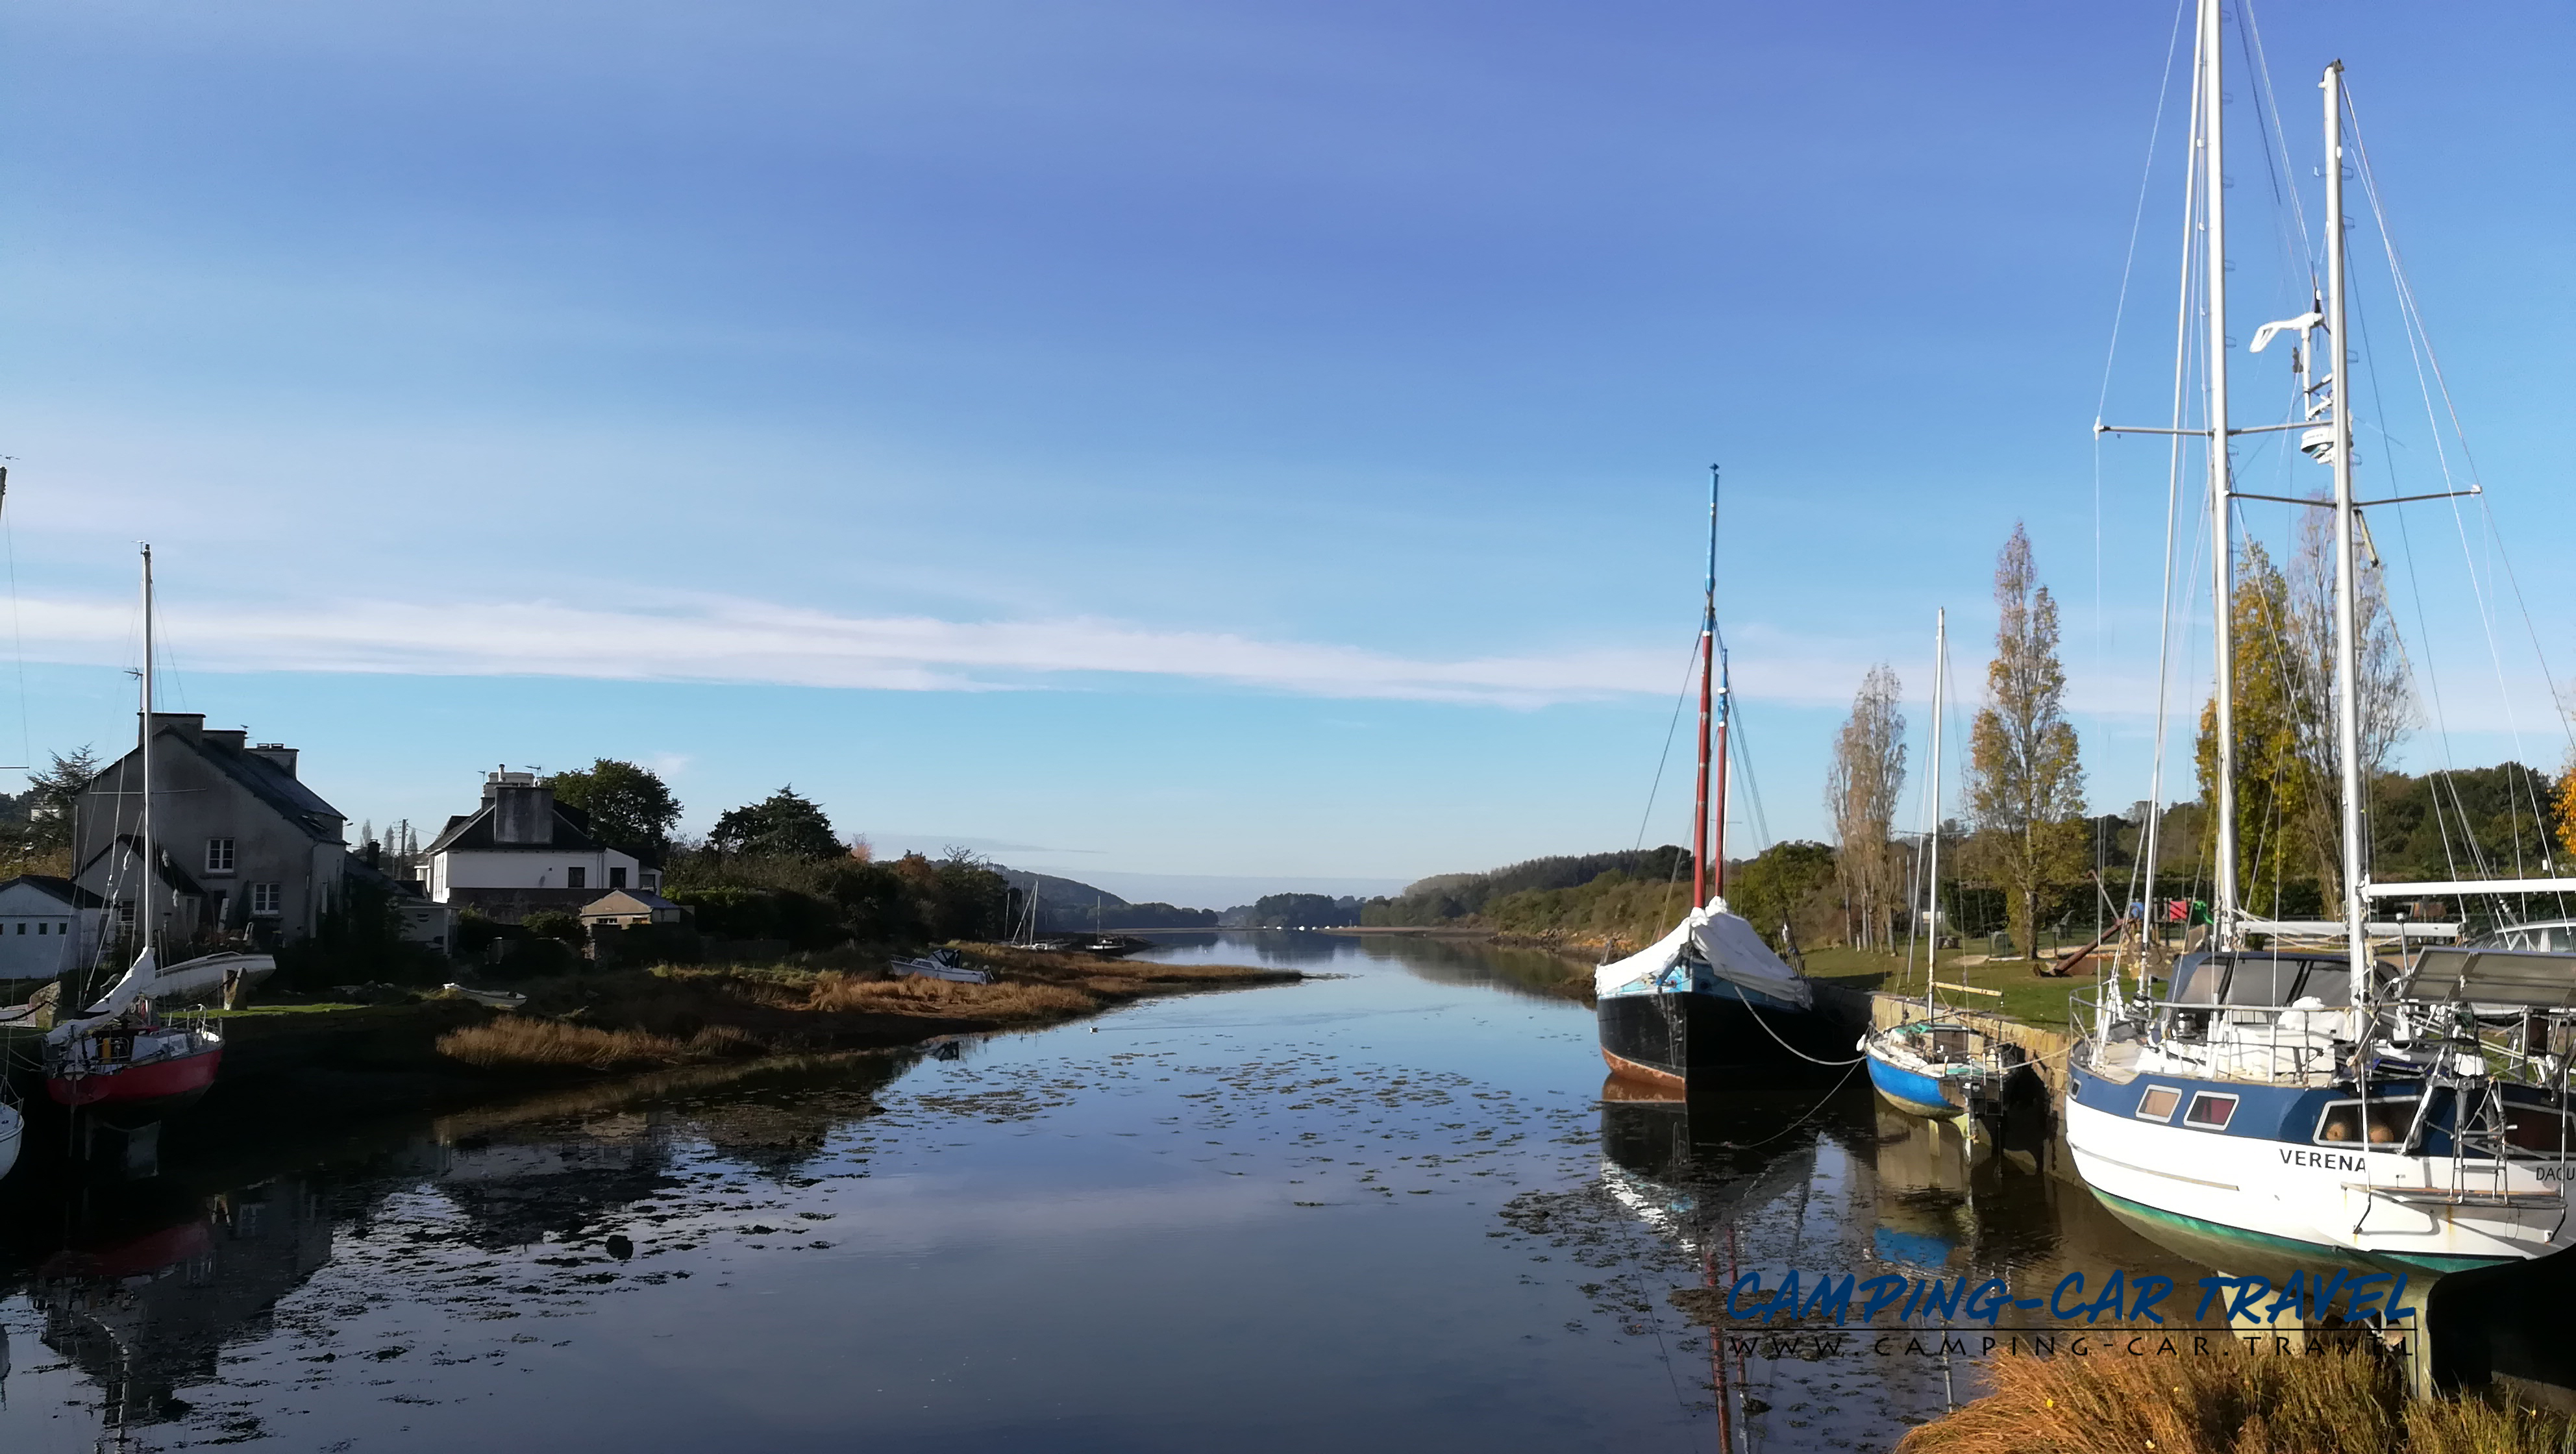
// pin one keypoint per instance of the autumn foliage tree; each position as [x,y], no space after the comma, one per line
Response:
[2289,827]
[2025,788]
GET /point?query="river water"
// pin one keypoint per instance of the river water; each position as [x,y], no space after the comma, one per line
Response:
[1389,1209]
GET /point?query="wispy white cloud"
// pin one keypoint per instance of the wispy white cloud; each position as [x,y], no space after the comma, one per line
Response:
[741,641]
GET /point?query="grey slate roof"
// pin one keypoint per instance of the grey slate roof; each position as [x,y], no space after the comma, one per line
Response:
[472,833]
[61,888]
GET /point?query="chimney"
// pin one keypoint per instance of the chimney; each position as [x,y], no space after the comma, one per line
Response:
[277,753]
[236,739]
[188,725]
[523,809]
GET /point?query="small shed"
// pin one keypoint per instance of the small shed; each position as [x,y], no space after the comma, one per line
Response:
[46,925]
[631,906]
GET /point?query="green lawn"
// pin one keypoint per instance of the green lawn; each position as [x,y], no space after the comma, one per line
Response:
[2025,996]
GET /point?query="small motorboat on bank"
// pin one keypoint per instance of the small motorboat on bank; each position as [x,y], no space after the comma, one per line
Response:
[945,964]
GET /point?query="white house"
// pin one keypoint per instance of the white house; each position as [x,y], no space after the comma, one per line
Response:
[47,925]
[522,852]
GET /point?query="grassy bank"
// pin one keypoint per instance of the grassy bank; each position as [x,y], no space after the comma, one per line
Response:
[2341,1402]
[2020,992]
[680,1015]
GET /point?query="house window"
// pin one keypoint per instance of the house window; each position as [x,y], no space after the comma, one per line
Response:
[264,900]
[575,878]
[219,855]
[617,878]
[2159,1102]
[652,881]
[2210,1111]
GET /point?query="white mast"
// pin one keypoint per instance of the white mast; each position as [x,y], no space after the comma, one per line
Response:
[2347,663]
[1932,871]
[2222,541]
[151,856]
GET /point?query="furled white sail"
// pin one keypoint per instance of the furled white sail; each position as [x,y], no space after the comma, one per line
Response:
[1722,940]
[196,979]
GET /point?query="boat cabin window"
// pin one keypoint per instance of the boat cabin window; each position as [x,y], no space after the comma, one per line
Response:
[2264,980]
[2330,984]
[2537,1129]
[2342,1122]
[2196,982]
[2158,1103]
[2210,1111]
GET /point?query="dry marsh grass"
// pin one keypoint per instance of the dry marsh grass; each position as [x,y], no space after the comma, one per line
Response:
[680,1015]
[2341,1402]
[521,1040]
[1004,1002]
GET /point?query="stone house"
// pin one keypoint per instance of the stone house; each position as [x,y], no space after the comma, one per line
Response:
[248,853]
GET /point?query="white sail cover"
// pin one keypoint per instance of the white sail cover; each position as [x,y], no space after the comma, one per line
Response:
[1733,950]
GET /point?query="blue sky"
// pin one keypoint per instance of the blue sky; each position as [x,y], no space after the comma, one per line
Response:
[1197,445]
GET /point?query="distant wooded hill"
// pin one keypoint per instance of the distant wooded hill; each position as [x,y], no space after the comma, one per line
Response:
[1449,897]
[1067,906]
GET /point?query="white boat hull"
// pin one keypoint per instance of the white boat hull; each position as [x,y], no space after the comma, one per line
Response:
[13,1131]
[2324,1201]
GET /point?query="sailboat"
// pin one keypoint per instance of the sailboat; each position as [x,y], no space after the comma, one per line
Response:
[1934,1067]
[1709,996]
[118,1054]
[2404,1113]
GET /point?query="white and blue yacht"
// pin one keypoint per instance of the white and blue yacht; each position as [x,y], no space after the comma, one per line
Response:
[2399,1105]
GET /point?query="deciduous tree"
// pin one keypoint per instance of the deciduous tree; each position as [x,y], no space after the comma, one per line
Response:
[1861,791]
[2025,787]
[786,824]
[629,806]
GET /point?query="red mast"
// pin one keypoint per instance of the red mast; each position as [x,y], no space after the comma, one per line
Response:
[1699,805]
[1701,877]
[1717,819]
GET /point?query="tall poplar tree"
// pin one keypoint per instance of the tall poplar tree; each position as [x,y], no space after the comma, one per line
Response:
[1867,779]
[2025,788]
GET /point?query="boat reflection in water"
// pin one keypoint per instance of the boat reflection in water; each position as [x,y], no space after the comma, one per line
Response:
[150,1285]
[1824,1178]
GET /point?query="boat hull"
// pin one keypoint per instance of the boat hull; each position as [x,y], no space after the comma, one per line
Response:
[1913,1092]
[154,1088]
[2263,1187]
[1685,1038]
[13,1131]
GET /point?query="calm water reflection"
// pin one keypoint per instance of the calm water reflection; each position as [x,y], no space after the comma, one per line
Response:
[1391,1210]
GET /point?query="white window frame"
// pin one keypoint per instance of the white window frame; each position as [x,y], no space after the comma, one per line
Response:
[2143,1114]
[267,901]
[227,849]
